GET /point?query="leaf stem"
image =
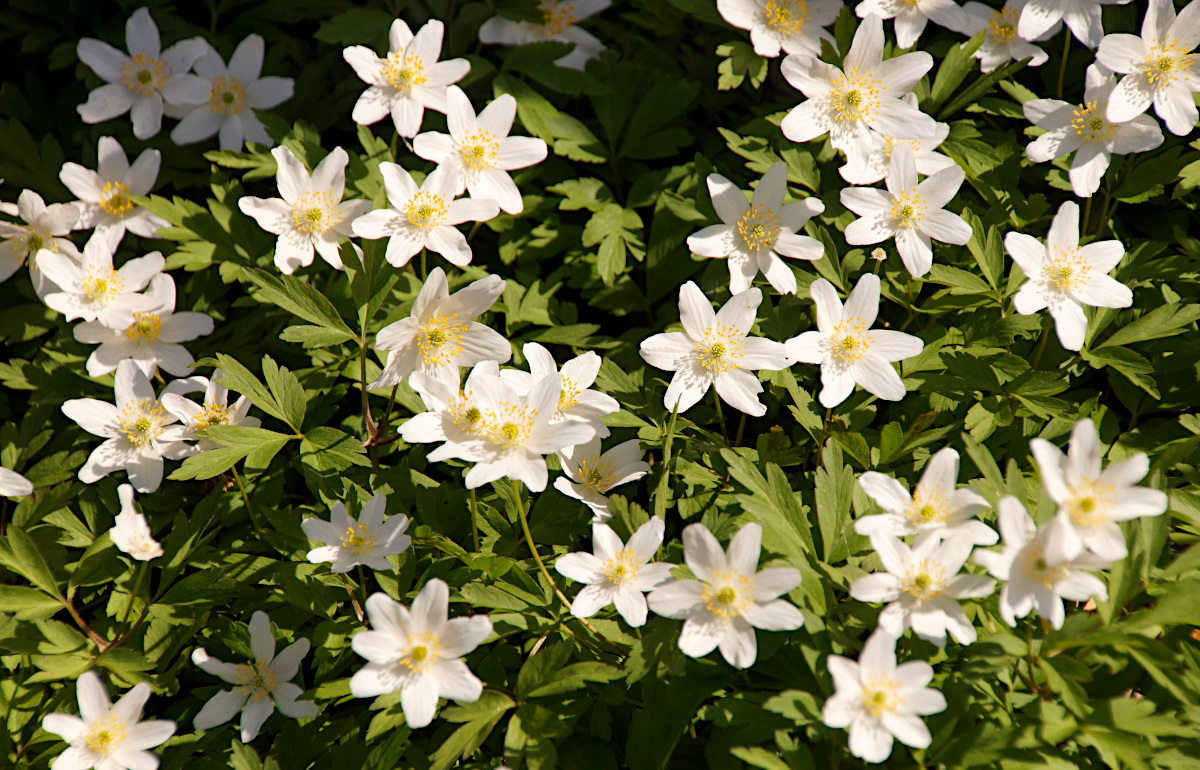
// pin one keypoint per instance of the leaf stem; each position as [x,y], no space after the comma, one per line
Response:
[474,526]
[741,429]
[362,583]
[137,583]
[368,423]
[249,508]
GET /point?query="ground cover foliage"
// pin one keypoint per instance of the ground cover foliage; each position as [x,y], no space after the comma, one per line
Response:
[595,262]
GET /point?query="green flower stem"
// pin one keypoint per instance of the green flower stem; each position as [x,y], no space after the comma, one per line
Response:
[660,490]
[1037,357]
[741,429]
[474,525]
[249,508]
[137,584]
[1062,65]
[720,415]
[362,584]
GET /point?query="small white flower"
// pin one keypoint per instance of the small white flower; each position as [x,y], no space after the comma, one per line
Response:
[752,236]
[713,350]
[42,230]
[576,400]
[424,217]
[108,737]
[480,149]
[418,652]
[130,532]
[1091,500]
[870,169]
[92,289]
[1002,43]
[616,573]
[235,92]
[261,685]
[937,508]
[1082,17]
[349,543]
[730,598]
[134,428]
[560,18]
[1086,131]
[879,701]
[1064,276]
[310,214]
[13,484]
[104,194]
[910,211]
[214,411]
[1035,580]
[793,26]
[408,81]
[589,475]
[139,83]
[455,416]
[911,16]
[441,333]
[847,348]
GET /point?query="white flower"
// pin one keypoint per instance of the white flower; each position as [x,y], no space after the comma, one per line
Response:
[795,26]
[13,484]
[441,333]
[1082,17]
[576,400]
[408,81]
[879,701]
[713,350]
[753,236]
[1091,500]
[261,685]
[864,96]
[215,410]
[730,598]
[134,429]
[1086,131]
[424,217]
[418,652]
[1158,67]
[367,541]
[103,195]
[912,212]
[108,737]
[310,214]
[872,168]
[152,340]
[234,93]
[454,417]
[1001,44]
[911,16]
[480,149]
[936,509]
[141,82]
[616,573]
[921,587]
[92,289]
[43,226]
[589,475]
[1064,276]
[1035,581]
[846,347]
[559,20]
[130,532]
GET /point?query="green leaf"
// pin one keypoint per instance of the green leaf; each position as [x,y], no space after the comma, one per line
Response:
[1128,362]
[239,378]
[314,336]
[298,298]
[20,553]
[1163,321]
[330,448]
[28,603]
[613,228]
[288,393]
[959,62]
[566,135]
[981,86]
[575,677]
[738,61]
[834,482]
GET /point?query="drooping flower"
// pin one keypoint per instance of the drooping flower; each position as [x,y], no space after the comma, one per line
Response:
[131,532]
[1034,580]
[1002,43]
[349,543]
[847,348]
[1064,276]
[310,214]
[108,736]
[408,81]
[260,685]
[13,484]
[560,18]
[911,16]
[1086,131]
[235,92]
[418,652]
[1091,500]
[480,149]
[576,401]
[215,410]
[873,168]
[441,333]
[879,701]
[910,211]
[92,289]
[616,573]
[455,416]
[588,475]
[936,509]
[424,217]
[713,350]
[142,81]
[793,26]
[846,104]
[1158,67]
[1082,17]
[753,236]
[104,195]
[43,228]
[133,428]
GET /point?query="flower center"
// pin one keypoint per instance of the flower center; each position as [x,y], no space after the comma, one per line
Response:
[759,228]
[1091,503]
[114,199]
[316,211]
[421,653]
[141,421]
[909,210]
[143,75]
[255,679]
[403,71]
[360,539]
[596,474]
[439,340]
[880,696]
[568,394]
[621,568]
[104,736]
[1089,122]
[557,18]
[929,506]
[102,284]
[849,342]
[925,580]
[465,415]
[1165,63]
[511,425]
[480,151]
[228,96]
[1066,270]
[211,414]
[727,594]
[1038,570]
[1002,27]
[721,349]
[855,96]
[425,210]
[786,17]
[145,327]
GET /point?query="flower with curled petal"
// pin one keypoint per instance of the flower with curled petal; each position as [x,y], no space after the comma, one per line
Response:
[104,195]
[89,287]
[791,26]
[43,229]
[560,19]
[588,475]
[873,168]
[1082,17]
[367,540]
[911,16]
[616,573]
[1002,43]
[13,484]
[455,416]
[577,400]
[131,532]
